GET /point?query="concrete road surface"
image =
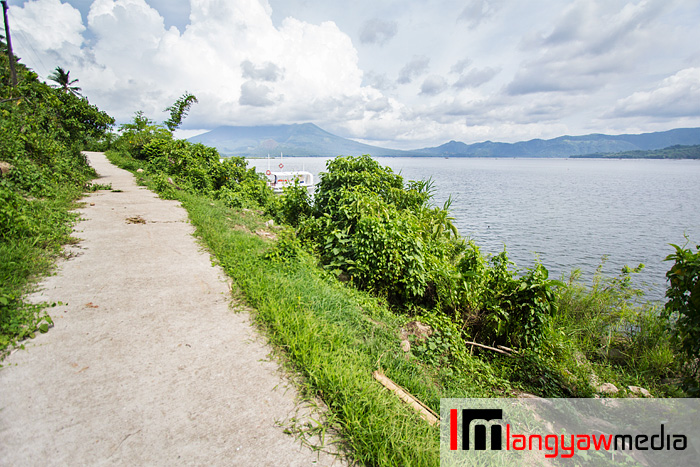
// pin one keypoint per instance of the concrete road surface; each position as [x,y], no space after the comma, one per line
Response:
[147,363]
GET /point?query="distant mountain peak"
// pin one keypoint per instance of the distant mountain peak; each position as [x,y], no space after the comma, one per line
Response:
[297,139]
[308,139]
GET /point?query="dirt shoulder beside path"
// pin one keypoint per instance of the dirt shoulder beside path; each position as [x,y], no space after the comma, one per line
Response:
[147,364]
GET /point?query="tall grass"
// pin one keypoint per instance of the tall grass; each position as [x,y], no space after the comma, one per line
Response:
[335,336]
[33,233]
[607,331]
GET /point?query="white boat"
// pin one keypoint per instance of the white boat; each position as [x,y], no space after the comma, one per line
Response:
[279,180]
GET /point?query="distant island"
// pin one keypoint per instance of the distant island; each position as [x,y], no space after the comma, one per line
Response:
[672,152]
[307,139]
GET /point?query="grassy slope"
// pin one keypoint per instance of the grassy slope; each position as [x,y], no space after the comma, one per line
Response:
[333,342]
[335,337]
[22,262]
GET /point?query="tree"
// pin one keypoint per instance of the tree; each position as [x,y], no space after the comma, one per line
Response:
[179,110]
[64,83]
[139,133]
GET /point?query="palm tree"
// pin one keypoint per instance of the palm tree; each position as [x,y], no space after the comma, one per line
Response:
[64,83]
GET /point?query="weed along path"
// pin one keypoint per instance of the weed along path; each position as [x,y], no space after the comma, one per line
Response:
[147,363]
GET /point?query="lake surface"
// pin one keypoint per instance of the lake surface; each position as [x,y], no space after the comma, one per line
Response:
[568,212]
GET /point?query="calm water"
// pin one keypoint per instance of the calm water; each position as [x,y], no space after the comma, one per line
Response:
[568,212]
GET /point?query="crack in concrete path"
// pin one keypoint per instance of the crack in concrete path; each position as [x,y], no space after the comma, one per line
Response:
[145,349]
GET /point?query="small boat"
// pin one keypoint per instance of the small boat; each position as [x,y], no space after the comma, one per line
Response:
[279,180]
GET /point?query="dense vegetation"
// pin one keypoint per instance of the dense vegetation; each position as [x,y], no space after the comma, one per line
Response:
[683,308]
[360,265]
[672,152]
[43,130]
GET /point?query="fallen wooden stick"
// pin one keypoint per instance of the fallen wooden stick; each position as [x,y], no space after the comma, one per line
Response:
[503,347]
[423,410]
[476,344]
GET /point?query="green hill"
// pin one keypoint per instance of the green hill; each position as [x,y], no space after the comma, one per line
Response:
[672,152]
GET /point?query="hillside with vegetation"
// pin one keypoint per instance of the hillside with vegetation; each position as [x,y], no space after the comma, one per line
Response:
[43,172]
[672,152]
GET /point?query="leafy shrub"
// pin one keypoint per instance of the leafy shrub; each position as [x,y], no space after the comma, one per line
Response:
[193,167]
[81,120]
[683,306]
[383,234]
[386,237]
[296,204]
[287,248]
[42,132]
[345,172]
[502,308]
[138,134]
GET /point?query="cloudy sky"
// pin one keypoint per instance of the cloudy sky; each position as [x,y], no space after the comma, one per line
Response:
[401,74]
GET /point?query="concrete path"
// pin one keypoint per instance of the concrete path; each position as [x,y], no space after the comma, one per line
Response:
[147,363]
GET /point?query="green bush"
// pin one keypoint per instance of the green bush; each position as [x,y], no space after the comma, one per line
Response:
[138,134]
[502,308]
[43,131]
[385,236]
[296,205]
[193,167]
[683,307]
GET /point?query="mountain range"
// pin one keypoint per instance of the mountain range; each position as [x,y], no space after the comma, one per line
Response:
[299,139]
[307,139]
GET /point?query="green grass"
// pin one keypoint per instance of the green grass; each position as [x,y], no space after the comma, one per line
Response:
[330,335]
[334,336]
[42,228]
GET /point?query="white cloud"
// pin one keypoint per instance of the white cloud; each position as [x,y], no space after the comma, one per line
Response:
[230,56]
[460,66]
[476,77]
[433,85]
[53,29]
[266,72]
[592,42]
[377,31]
[256,95]
[413,69]
[476,11]
[675,96]
[378,81]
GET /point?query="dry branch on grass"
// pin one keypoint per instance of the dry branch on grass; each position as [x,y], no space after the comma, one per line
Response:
[424,411]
